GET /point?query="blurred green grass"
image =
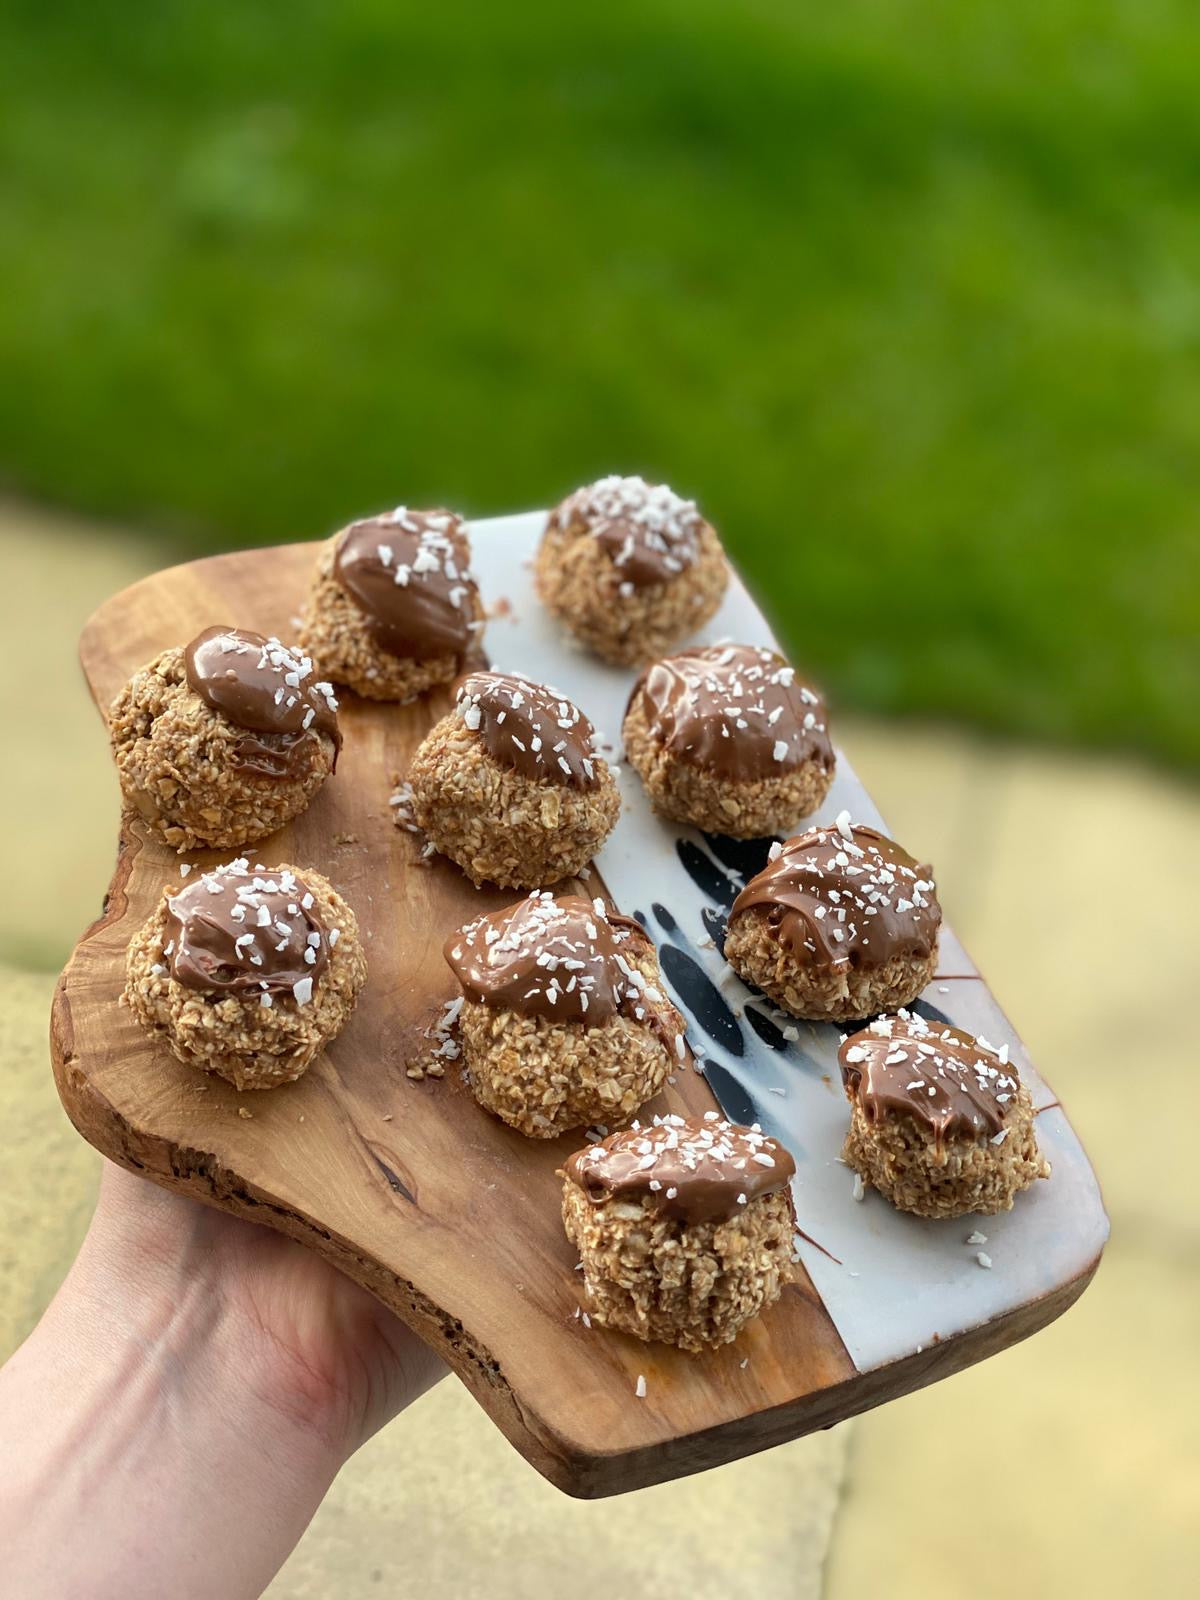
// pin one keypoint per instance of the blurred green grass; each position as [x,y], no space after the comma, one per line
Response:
[906,292]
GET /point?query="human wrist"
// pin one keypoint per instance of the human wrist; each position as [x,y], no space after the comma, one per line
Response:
[196,1291]
[143,1415]
[146,1327]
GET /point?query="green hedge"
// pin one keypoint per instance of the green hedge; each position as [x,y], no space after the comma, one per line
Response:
[906,293]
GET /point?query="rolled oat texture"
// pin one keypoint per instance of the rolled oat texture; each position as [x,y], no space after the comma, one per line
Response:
[630,569]
[502,824]
[254,1043]
[183,766]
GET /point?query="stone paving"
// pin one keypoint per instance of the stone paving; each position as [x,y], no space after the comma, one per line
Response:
[1073,1460]
[1070,1464]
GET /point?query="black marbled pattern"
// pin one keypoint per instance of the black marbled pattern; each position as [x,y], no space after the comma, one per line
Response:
[706,875]
[701,998]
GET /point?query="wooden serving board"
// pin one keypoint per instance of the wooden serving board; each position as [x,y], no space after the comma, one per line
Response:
[452,1219]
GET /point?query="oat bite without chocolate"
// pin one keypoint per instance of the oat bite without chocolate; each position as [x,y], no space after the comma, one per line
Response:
[510,785]
[564,1021]
[684,1228]
[247,971]
[630,568]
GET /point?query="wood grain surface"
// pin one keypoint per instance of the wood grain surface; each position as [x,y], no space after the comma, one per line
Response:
[449,1217]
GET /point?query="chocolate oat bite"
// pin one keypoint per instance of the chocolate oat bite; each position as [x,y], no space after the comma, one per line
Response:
[247,972]
[222,742]
[940,1122]
[630,568]
[684,1228]
[510,786]
[393,609]
[840,924]
[727,738]
[564,1021]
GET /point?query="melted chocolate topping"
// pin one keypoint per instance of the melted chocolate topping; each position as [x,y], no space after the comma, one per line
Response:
[736,710]
[238,930]
[409,573]
[530,727]
[260,685]
[648,531]
[696,1169]
[847,895]
[568,960]
[938,1075]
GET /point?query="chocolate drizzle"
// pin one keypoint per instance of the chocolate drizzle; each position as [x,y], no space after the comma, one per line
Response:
[648,531]
[530,727]
[847,895]
[238,930]
[568,960]
[409,574]
[735,709]
[695,1169]
[260,685]
[940,1076]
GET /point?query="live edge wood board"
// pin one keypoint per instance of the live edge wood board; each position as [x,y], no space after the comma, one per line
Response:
[451,1219]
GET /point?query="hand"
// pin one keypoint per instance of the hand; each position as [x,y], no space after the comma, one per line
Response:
[177,1416]
[312,1344]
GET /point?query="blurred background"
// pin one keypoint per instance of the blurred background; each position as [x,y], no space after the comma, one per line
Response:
[907,294]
